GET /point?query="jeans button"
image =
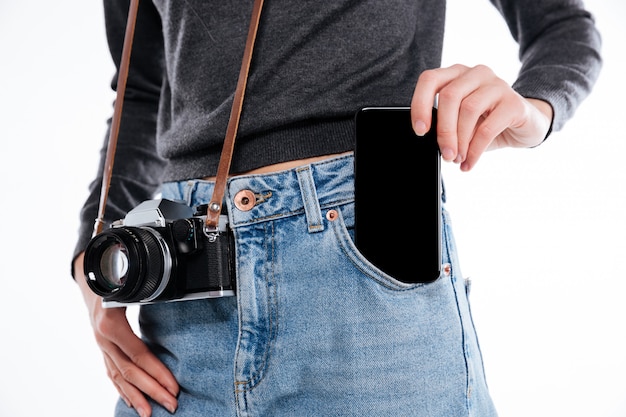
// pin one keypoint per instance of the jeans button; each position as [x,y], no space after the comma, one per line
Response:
[245,200]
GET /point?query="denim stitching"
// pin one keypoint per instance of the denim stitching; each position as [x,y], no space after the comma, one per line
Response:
[257,375]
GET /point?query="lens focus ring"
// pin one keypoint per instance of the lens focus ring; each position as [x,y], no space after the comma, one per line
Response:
[128,264]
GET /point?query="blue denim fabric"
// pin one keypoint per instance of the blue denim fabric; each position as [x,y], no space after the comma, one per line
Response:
[315,329]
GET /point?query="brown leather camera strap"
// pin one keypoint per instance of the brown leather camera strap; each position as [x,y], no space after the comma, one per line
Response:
[215,206]
[122,77]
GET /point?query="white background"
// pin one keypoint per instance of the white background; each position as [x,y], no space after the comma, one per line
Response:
[541,232]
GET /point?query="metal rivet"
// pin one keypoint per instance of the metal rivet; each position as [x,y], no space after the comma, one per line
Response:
[215,207]
[447,269]
[245,200]
[332,215]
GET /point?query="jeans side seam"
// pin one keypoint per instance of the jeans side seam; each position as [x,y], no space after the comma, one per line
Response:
[468,385]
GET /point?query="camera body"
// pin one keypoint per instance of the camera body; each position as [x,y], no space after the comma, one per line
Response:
[161,251]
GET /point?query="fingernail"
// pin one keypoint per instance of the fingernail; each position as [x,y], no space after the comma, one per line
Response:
[458,159]
[170,407]
[141,412]
[420,128]
[447,154]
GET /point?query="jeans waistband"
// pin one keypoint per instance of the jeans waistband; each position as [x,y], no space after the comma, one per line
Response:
[306,189]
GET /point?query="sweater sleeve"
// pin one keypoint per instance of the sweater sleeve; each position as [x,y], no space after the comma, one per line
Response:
[137,168]
[559,49]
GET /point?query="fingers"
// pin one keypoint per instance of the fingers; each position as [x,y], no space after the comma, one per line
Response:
[461,102]
[429,85]
[490,124]
[474,108]
[131,366]
[134,370]
[135,382]
[132,350]
[132,396]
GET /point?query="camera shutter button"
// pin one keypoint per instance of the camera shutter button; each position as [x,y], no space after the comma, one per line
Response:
[245,200]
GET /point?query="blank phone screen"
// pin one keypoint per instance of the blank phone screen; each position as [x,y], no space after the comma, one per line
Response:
[398,195]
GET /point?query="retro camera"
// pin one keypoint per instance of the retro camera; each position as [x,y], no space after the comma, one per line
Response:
[161,251]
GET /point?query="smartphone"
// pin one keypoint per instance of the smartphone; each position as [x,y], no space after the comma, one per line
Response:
[397,182]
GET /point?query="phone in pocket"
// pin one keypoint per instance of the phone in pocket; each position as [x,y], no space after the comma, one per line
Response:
[397,194]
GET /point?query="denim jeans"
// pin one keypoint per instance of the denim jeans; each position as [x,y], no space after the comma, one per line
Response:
[315,329]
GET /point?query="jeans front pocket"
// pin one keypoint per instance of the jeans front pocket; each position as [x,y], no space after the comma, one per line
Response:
[348,340]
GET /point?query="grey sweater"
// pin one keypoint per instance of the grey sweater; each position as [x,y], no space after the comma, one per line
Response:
[315,64]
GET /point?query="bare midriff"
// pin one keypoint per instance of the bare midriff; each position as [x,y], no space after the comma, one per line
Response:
[282,166]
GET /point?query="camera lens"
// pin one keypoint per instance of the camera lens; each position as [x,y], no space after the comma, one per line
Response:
[114,265]
[128,264]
